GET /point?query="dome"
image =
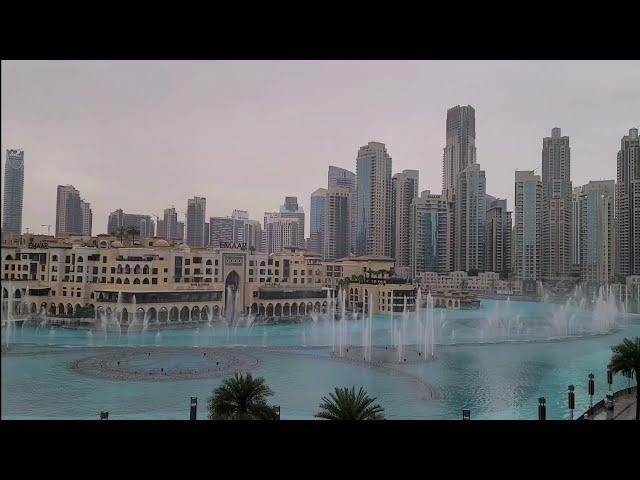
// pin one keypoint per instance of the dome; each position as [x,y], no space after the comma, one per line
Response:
[116,244]
[161,243]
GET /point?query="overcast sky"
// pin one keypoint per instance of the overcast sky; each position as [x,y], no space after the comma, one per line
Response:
[142,136]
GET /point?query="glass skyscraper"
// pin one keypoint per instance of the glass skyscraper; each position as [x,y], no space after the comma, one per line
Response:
[13,192]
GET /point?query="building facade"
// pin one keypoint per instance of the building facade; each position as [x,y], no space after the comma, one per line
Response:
[373,176]
[343,178]
[527,229]
[337,223]
[556,214]
[498,238]
[404,189]
[13,191]
[627,205]
[431,227]
[460,149]
[143,223]
[73,215]
[196,214]
[317,220]
[470,217]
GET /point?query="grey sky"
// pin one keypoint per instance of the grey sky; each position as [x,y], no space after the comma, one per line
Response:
[145,135]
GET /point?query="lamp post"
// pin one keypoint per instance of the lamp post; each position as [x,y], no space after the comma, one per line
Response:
[277,409]
[609,376]
[591,392]
[466,414]
[542,408]
[572,401]
[104,415]
[194,408]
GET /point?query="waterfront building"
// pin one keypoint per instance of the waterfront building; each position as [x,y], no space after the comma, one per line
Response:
[498,238]
[470,217]
[13,191]
[373,177]
[431,228]
[404,189]
[317,220]
[627,205]
[337,227]
[527,231]
[460,149]
[343,178]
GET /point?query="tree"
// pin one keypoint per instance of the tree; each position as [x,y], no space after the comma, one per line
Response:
[626,360]
[133,231]
[345,404]
[241,398]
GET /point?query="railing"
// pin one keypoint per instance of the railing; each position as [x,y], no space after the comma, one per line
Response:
[598,407]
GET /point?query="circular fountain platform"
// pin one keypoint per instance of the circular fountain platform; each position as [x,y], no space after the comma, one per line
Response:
[162,364]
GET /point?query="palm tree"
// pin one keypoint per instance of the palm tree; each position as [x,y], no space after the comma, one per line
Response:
[133,231]
[345,404]
[120,232]
[626,360]
[241,398]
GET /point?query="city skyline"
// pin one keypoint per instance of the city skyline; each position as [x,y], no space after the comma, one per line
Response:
[70,128]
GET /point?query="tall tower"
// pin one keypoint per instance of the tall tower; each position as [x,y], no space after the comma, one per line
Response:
[291,209]
[341,177]
[597,249]
[373,179]
[498,237]
[196,210]
[317,220]
[431,248]
[171,224]
[627,205]
[13,192]
[557,193]
[527,230]
[470,216]
[460,149]
[68,211]
[337,226]
[404,188]
[87,217]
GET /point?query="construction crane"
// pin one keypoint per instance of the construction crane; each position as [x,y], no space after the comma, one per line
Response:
[48,228]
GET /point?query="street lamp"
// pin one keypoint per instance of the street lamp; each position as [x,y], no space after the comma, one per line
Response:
[104,415]
[542,408]
[591,392]
[194,408]
[277,409]
[609,376]
[572,401]
[466,414]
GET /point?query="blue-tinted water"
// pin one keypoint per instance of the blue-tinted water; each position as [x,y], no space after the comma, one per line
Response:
[496,368]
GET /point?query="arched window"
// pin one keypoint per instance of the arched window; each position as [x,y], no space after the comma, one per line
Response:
[119,269]
[127,269]
[80,260]
[8,257]
[54,258]
[136,281]
[209,262]
[145,270]
[136,269]
[145,281]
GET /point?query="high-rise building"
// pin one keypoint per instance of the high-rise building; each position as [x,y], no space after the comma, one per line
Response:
[223,231]
[68,211]
[180,231]
[460,149]
[373,179]
[404,189]
[556,214]
[576,227]
[207,234]
[470,217]
[160,231]
[337,223]
[253,235]
[291,209]
[87,217]
[498,237]
[280,232]
[597,232]
[240,215]
[196,211]
[527,231]
[13,192]
[171,225]
[431,246]
[317,220]
[627,204]
[341,177]
[143,223]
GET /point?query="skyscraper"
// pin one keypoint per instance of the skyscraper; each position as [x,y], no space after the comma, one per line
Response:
[291,209]
[404,188]
[317,220]
[597,232]
[431,247]
[373,177]
[196,211]
[13,192]
[460,149]
[337,223]
[470,217]
[143,223]
[68,211]
[627,205]
[223,231]
[253,235]
[576,227]
[171,224]
[527,231]
[160,231]
[280,232]
[87,217]
[556,218]
[341,177]
[498,238]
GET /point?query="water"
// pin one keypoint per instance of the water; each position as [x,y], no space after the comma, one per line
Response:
[496,360]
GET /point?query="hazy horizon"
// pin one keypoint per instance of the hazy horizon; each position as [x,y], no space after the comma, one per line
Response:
[144,135]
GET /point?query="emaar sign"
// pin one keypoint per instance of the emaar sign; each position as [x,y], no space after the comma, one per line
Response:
[234,245]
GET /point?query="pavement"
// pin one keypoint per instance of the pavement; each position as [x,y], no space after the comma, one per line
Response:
[624,408]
